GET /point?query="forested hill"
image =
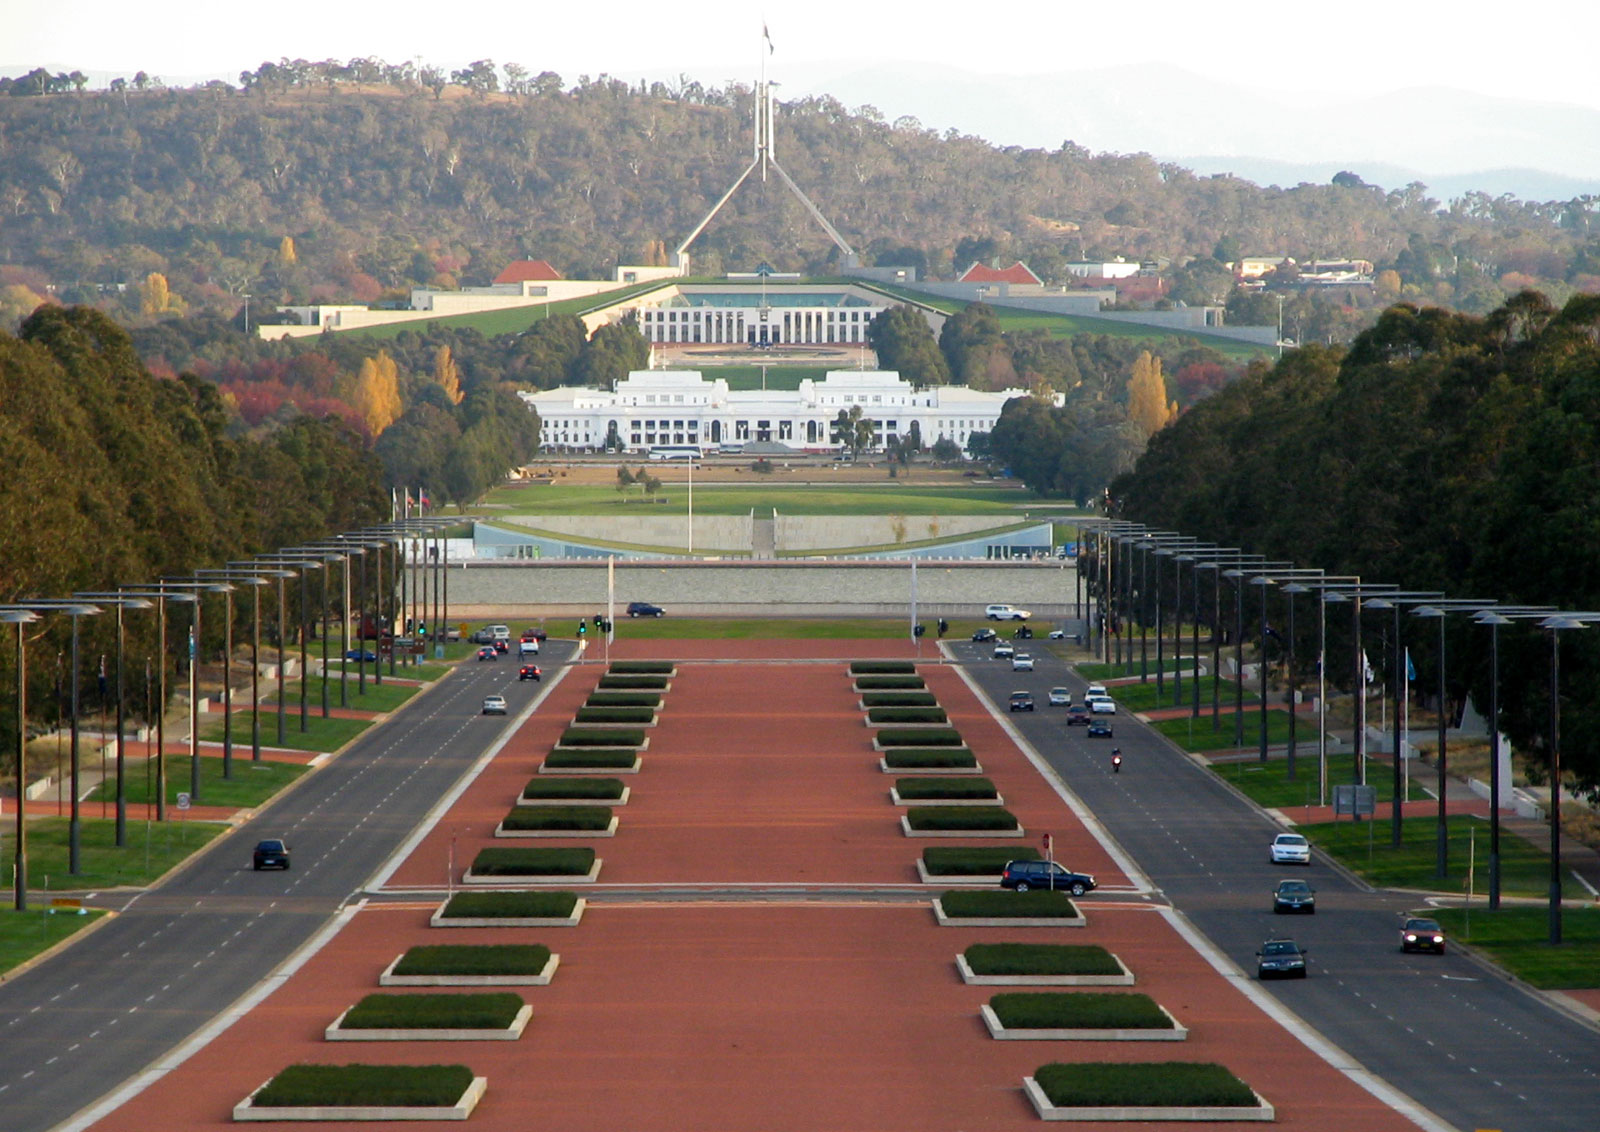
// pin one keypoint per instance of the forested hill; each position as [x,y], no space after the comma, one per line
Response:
[382,183]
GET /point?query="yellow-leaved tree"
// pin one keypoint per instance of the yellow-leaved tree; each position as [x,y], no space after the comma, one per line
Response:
[1148,406]
[447,374]
[377,396]
[286,253]
[154,296]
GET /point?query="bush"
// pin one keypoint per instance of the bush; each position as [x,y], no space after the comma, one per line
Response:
[474,959]
[883,668]
[494,1011]
[623,699]
[944,817]
[1161,1083]
[890,683]
[642,668]
[593,758]
[597,788]
[1040,959]
[922,737]
[513,862]
[516,905]
[1078,1010]
[907,715]
[912,758]
[558,817]
[989,904]
[407,1086]
[615,715]
[968,861]
[633,683]
[899,699]
[911,789]
[609,737]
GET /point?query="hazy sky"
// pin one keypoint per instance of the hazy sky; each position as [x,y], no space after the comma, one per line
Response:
[1359,47]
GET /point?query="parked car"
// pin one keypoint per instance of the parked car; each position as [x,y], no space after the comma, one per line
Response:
[1294,896]
[1021,701]
[366,655]
[494,705]
[1281,959]
[1003,651]
[984,635]
[273,853]
[1022,662]
[1060,697]
[1102,705]
[487,652]
[645,609]
[1291,849]
[1077,715]
[1003,612]
[1023,875]
[489,634]
[1420,934]
[1058,634]
[1099,729]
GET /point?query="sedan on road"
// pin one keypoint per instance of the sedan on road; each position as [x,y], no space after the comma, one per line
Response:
[645,609]
[487,652]
[272,853]
[1099,729]
[494,705]
[1281,959]
[1422,935]
[984,635]
[1003,651]
[529,672]
[1022,662]
[1077,715]
[1291,849]
[1021,701]
[1023,874]
[1102,705]
[1294,896]
[1060,697]
[366,655]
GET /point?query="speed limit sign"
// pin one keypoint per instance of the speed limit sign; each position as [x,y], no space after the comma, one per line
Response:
[183,801]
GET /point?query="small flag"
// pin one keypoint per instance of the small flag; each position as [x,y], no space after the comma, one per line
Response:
[1366,667]
[102,675]
[1411,669]
[766,35]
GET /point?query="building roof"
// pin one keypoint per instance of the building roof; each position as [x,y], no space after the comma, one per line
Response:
[527,271]
[1017,273]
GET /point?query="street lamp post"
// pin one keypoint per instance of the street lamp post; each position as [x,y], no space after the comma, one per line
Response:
[1556,625]
[20,617]
[1397,602]
[122,601]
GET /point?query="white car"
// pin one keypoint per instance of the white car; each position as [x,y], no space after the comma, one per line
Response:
[1101,705]
[1291,849]
[1094,690]
[529,647]
[1060,697]
[1058,634]
[1003,651]
[1022,662]
[1005,613]
[494,705]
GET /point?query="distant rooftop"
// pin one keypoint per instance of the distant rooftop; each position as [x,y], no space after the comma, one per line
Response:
[528,271]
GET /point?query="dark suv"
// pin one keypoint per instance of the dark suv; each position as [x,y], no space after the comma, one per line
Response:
[644,609]
[270,854]
[1023,875]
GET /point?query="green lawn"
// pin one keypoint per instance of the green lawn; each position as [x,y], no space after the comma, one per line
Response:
[320,735]
[1267,784]
[252,782]
[1197,734]
[101,864]
[384,697]
[777,377]
[887,498]
[1518,939]
[758,628]
[1143,697]
[26,934]
[512,321]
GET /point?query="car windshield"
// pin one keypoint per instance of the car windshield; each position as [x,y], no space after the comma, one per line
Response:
[1280,947]
[1291,839]
[271,847]
[1294,887]
[1422,925]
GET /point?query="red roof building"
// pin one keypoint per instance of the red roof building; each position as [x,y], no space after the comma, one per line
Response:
[527,271]
[1017,273]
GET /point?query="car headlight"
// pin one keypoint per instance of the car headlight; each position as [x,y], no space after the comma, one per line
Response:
[1411,937]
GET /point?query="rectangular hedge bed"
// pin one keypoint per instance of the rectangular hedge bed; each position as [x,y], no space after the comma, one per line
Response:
[898,699]
[1041,965]
[944,791]
[558,821]
[634,684]
[608,790]
[517,910]
[969,864]
[365,1092]
[883,668]
[1002,909]
[917,737]
[571,864]
[615,717]
[1080,1016]
[890,683]
[907,716]
[469,965]
[643,668]
[930,760]
[1162,1090]
[623,699]
[490,1016]
[953,821]
[591,760]
[603,737]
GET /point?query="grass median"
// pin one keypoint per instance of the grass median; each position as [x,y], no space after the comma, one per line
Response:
[251,785]
[1518,938]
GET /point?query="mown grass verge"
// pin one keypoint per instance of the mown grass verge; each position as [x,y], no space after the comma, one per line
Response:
[899,699]
[509,862]
[1040,959]
[610,683]
[1160,1084]
[1198,735]
[891,715]
[597,789]
[623,700]
[920,737]
[1078,1010]
[510,905]
[1037,904]
[615,715]
[889,683]
[1519,940]
[484,1011]
[405,1086]
[592,758]
[913,789]
[972,861]
[597,737]
[251,784]
[152,848]
[474,959]
[917,758]
[575,818]
[990,818]
[883,667]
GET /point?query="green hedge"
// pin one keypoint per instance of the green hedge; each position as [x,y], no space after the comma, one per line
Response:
[1078,1010]
[946,817]
[889,683]
[642,667]
[883,668]
[518,905]
[407,1086]
[985,904]
[592,758]
[1166,1084]
[615,715]
[474,959]
[596,737]
[913,758]
[912,789]
[633,683]
[972,861]
[491,1011]
[898,699]
[516,862]
[558,817]
[921,737]
[599,789]
[1040,959]
[623,699]
[907,715]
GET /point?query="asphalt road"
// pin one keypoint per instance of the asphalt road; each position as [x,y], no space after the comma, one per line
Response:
[174,958]
[1463,1042]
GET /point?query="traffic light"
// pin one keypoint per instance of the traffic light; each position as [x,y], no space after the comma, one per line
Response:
[583,628]
[606,625]
[944,626]
[918,629]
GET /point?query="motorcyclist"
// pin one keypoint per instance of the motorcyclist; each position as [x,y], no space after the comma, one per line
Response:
[1116,759]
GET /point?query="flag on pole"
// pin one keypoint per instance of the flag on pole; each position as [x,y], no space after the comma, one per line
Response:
[766,35]
[611,598]
[1411,669]
[1366,667]
[102,676]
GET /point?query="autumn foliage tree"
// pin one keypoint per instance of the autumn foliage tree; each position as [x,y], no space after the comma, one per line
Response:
[377,393]
[1148,407]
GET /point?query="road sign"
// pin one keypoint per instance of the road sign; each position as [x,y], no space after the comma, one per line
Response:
[183,801]
[1356,800]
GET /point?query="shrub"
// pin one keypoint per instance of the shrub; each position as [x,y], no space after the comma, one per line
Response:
[558,817]
[623,699]
[474,959]
[907,715]
[899,699]
[592,758]
[597,788]
[408,1086]
[497,861]
[518,905]
[922,737]
[633,683]
[433,1012]
[977,817]
[1078,1010]
[609,737]
[642,668]
[911,758]
[883,668]
[615,715]
[1039,903]
[911,789]
[890,683]
[1040,959]
[1159,1083]
[969,861]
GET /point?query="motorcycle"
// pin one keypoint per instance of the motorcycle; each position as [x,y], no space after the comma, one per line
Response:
[1116,761]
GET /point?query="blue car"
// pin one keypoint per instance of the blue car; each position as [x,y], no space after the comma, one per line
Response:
[366,655]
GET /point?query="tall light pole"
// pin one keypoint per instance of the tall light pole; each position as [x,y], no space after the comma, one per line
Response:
[1397,602]
[122,601]
[1556,625]
[20,617]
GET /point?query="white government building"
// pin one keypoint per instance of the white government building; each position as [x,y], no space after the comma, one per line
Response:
[658,408]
